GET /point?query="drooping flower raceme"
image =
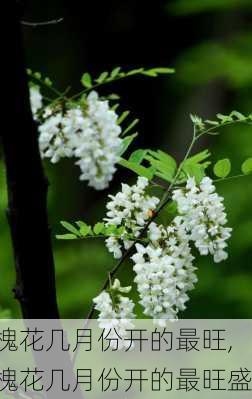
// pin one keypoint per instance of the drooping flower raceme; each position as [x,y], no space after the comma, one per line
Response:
[116,312]
[163,263]
[164,270]
[98,147]
[88,132]
[130,208]
[204,214]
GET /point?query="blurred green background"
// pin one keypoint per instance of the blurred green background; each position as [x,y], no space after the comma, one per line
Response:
[209,43]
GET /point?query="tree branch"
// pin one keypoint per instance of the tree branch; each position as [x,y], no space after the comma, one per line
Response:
[42,23]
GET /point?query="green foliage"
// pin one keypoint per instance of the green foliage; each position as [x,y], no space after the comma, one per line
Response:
[194,170]
[138,156]
[84,229]
[81,230]
[99,228]
[70,227]
[164,164]
[5,313]
[201,158]
[185,7]
[197,122]
[86,80]
[195,166]
[38,78]
[123,116]
[138,169]
[247,166]
[130,127]
[227,61]
[116,74]
[211,126]
[126,143]
[222,168]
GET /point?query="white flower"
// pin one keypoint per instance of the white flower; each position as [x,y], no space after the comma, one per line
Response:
[53,142]
[130,208]
[204,215]
[164,271]
[36,100]
[116,314]
[89,134]
[98,146]
[164,267]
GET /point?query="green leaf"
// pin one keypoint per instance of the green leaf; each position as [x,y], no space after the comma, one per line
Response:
[197,158]
[122,117]
[137,156]
[86,80]
[102,77]
[135,71]
[115,72]
[130,127]
[164,164]
[222,168]
[167,159]
[194,170]
[111,230]
[120,231]
[126,143]
[84,229]
[164,70]
[66,236]
[70,227]
[238,115]
[48,82]
[247,166]
[113,96]
[214,123]
[138,169]
[224,118]
[37,75]
[98,228]
[154,72]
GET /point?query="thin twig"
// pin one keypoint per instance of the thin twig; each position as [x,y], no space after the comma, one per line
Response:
[42,23]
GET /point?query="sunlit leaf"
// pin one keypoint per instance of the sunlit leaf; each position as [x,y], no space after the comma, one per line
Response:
[137,156]
[222,168]
[126,143]
[67,236]
[138,169]
[68,226]
[86,80]
[247,166]
[98,228]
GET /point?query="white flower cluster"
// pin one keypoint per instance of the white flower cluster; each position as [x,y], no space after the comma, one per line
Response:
[164,267]
[164,270]
[90,134]
[116,313]
[130,208]
[204,215]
